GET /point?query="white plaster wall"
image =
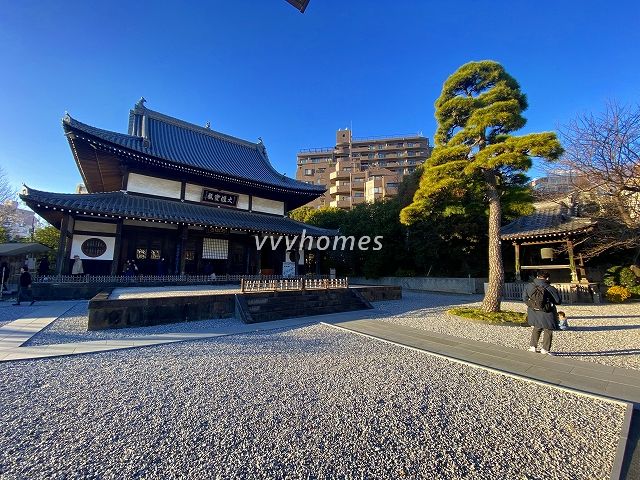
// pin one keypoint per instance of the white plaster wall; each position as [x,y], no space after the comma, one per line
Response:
[153,185]
[267,206]
[193,193]
[95,226]
[79,239]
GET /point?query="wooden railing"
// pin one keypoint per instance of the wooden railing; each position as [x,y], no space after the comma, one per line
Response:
[285,284]
[569,292]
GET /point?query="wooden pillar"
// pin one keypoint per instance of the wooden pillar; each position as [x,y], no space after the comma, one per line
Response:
[64,247]
[116,249]
[572,261]
[516,246]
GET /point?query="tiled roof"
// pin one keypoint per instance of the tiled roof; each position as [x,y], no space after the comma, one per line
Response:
[186,144]
[546,221]
[138,207]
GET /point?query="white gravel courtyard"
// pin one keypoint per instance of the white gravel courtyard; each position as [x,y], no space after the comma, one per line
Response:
[312,402]
[604,333]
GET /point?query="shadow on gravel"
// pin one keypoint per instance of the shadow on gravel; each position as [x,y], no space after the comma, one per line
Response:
[607,353]
[596,328]
[590,317]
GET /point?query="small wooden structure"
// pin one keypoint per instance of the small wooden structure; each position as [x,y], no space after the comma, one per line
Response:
[554,227]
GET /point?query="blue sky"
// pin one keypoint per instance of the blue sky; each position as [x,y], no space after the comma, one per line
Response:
[259,68]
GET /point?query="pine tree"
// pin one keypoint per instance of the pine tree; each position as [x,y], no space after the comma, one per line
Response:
[480,105]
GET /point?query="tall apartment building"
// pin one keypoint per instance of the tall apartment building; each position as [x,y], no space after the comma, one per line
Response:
[359,170]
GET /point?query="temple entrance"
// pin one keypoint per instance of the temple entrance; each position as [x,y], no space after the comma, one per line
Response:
[148,247]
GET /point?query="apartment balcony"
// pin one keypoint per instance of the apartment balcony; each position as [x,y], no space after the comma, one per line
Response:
[339,175]
[357,186]
[358,200]
[341,203]
[340,190]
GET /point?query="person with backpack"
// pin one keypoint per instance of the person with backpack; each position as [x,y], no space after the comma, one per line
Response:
[541,299]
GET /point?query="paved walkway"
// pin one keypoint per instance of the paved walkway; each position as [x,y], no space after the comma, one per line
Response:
[586,377]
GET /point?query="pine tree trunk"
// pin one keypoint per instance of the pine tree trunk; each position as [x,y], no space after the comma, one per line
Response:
[493,296]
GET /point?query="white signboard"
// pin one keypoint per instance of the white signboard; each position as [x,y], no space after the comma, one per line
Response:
[288,269]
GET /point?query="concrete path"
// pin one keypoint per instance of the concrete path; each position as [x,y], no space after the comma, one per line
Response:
[16,333]
[586,377]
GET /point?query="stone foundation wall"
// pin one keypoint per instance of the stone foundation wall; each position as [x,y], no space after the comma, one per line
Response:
[432,284]
[144,312]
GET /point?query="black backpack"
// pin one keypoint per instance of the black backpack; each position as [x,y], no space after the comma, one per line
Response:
[539,300]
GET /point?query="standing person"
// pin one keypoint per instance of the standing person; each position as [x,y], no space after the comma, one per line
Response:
[4,274]
[541,299]
[43,266]
[77,268]
[24,288]
[161,267]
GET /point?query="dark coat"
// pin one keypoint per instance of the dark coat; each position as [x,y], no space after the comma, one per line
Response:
[25,279]
[537,318]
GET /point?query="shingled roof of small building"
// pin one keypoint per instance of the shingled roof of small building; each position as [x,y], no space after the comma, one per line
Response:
[549,220]
[124,205]
[178,142]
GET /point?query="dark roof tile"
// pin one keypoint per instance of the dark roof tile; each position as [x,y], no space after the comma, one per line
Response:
[135,206]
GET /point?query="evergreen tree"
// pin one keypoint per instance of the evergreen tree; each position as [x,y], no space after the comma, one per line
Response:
[480,105]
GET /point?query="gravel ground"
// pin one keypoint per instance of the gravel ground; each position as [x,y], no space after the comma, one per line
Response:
[606,333]
[312,402]
[72,327]
[177,291]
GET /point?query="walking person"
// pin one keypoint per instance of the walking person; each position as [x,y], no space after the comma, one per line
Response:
[541,299]
[24,287]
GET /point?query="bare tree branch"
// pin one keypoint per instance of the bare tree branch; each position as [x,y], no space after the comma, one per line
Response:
[602,156]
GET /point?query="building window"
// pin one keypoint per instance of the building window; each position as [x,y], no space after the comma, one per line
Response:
[400,144]
[409,144]
[411,154]
[302,161]
[392,185]
[370,147]
[93,247]
[215,248]
[321,170]
[377,189]
[380,146]
[308,171]
[399,154]
[316,160]
[371,155]
[381,155]
[358,194]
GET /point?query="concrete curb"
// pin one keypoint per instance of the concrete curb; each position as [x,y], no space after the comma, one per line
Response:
[618,462]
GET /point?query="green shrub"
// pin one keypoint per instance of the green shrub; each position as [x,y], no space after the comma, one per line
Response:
[612,276]
[618,294]
[634,291]
[628,278]
[404,272]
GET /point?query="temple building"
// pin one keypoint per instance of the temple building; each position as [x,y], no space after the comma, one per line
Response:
[175,197]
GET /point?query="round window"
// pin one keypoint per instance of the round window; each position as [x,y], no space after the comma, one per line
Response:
[93,247]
